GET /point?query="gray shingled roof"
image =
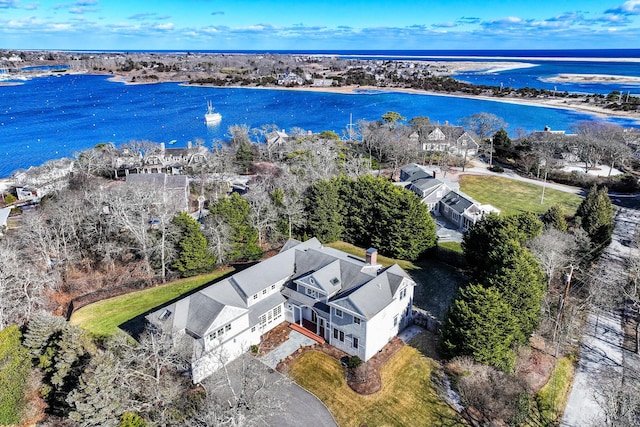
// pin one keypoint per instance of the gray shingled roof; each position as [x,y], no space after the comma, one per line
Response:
[373,296]
[202,313]
[457,202]
[426,185]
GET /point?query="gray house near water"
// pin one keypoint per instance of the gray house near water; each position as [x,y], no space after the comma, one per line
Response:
[442,200]
[462,210]
[452,139]
[353,304]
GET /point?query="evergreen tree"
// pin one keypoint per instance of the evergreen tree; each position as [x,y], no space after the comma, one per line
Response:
[554,217]
[370,212]
[324,211]
[96,401]
[596,216]
[245,156]
[526,226]
[235,211]
[480,324]
[501,143]
[491,232]
[519,278]
[193,254]
[60,351]
[15,367]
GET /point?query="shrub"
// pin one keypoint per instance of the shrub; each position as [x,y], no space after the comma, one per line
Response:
[14,370]
[353,362]
[129,419]
[496,168]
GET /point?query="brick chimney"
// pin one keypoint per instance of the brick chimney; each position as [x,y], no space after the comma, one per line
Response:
[372,256]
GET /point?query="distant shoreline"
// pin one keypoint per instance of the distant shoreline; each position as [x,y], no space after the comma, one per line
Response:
[558,103]
[487,64]
[547,103]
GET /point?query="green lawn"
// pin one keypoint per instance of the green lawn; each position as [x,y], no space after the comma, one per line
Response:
[103,317]
[552,398]
[407,397]
[513,197]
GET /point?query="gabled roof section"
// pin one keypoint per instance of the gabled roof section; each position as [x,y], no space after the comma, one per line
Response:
[426,185]
[374,295]
[327,279]
[279,267]
[349,270]
[206,314]
[457,202]
[203,311]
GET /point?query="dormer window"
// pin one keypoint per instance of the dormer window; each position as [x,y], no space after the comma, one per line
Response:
[164,315]
[335,281]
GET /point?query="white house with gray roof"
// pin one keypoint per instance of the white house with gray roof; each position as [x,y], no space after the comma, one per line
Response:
[447,138]
[352,303]
[462,210]
[424,183]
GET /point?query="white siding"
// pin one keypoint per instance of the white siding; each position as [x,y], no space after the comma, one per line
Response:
[266,292]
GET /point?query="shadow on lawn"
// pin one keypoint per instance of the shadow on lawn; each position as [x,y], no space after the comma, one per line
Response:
[138,324]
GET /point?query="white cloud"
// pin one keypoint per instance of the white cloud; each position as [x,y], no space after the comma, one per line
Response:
[167,26]
[631,7]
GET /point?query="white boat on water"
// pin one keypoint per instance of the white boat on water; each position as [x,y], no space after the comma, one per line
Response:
[211,117]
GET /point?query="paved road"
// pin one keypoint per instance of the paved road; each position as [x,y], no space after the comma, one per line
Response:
[601,349]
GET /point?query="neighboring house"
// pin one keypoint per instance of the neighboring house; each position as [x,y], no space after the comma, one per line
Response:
[174,188]
[451,139]
[354,304]
[46,179]
[173,161]
[424,183]
[276,137]
[462,210]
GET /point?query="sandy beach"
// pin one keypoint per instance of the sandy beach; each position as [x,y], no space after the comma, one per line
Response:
[592,78]
[561,103]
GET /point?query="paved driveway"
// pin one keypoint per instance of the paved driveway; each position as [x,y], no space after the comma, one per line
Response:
[295,341]
[282,402]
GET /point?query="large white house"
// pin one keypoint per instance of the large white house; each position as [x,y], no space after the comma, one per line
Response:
[354,304]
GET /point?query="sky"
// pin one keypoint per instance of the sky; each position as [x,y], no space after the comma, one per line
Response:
[318,25]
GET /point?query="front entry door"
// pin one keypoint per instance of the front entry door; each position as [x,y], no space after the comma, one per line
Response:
[321,330]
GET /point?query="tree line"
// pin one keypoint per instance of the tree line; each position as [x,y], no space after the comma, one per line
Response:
[519,277]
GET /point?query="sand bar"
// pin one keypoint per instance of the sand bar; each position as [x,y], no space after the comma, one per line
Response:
[591,78]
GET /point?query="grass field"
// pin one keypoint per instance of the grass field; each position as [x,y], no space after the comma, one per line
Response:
[513,197]
[103,317]
[407,397]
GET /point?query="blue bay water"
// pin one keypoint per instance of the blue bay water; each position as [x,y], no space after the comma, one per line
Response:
[51,117]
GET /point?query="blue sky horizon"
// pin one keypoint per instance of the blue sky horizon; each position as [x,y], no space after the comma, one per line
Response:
[324,25]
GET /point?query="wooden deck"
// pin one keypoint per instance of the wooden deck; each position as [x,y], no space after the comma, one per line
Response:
[306,332]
